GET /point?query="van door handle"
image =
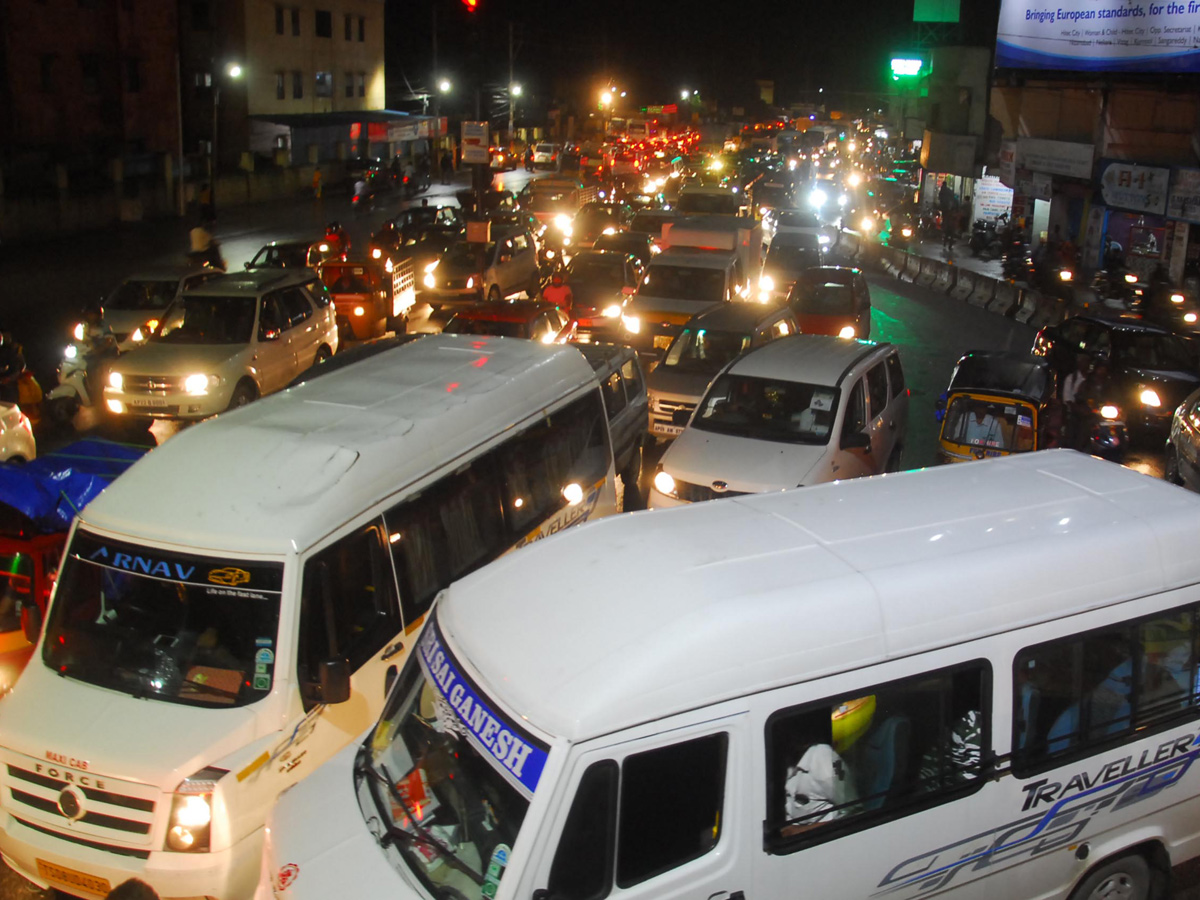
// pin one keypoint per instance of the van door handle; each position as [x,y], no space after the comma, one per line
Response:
[391,651]
[726,895]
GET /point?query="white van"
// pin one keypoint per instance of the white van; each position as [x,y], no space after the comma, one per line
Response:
[974,681]
[232,611]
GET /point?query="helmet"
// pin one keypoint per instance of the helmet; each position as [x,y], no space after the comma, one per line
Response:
[556,278]
[333,226]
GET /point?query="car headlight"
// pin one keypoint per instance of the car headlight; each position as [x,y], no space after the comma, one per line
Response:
[116,381]
[563,223]
[766,283]
[611,230]
[1190,318]
[376,253]
[573,494]
[846,332]
[70,352]
[1108,411]
[430,282]
[867,224]
[470,283]
[632,324]
[1130,278]
[78,331]
[358,311]
[199,384]
[664,484]
[189,828]
[823,239]
[1177,298]
[324,248]
[817,198]
[1066,275]
[906,231]
[429,267]
[611,312]
[1149,397]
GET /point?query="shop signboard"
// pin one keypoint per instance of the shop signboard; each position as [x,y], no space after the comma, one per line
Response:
[1086,35]
[1135,188]
[1008,163]
[1183,200]
[1036,186]
[475,143]
[992,199]
[1055,157]
[406,132]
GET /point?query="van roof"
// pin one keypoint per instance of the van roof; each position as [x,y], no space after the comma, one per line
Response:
[808,358]
[637,617]
[281,474]
[693,257]
[736,316]
[253,281]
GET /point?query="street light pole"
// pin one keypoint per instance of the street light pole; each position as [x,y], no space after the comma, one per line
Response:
[235,71]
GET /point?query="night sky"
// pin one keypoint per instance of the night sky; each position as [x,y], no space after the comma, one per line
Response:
[653,50]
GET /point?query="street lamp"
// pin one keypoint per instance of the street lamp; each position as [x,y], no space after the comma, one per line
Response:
[685,94]
[234,70]
[444,86]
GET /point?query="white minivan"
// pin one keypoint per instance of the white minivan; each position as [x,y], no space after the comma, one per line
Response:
[970,682]
[232,611]
[798,411]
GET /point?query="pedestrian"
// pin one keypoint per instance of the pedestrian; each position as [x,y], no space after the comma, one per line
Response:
[447,167]
[205,199]
[317,182]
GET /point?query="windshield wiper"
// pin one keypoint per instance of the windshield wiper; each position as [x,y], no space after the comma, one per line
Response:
[363,766]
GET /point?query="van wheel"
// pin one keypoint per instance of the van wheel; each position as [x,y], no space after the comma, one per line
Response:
[893,463]
[1171,467]
[243,394]
[493,294]
[323,353]
[61,410]
[631,480]
[1124,878]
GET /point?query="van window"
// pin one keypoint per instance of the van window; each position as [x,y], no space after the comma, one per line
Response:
[349,603]
[632,373]
[878,387]
[896,374]
[296,306]
[614,394]
[1075,693]
[583,864]
[849,761]
[520,244]
[856,411]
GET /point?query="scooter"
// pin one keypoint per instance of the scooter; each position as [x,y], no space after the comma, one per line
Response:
[1104,432]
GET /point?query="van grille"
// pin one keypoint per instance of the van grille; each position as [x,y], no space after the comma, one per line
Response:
[151,384]
[121,812]
[698,493]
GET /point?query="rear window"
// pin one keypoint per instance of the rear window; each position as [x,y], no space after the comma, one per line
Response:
[685,283]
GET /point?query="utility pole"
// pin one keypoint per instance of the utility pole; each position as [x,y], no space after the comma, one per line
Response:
[511,99]
[434,82]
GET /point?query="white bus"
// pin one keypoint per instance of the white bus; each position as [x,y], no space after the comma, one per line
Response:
[232,611]
[976,681]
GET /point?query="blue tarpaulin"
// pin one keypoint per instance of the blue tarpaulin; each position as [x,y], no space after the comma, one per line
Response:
[51,489]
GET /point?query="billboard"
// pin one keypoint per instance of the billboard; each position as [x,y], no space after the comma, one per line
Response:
[935,10]
[1099,35]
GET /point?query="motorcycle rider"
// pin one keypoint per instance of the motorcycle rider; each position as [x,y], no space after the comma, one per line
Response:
[558,293]
[337,239]
[98,343]
[205,251]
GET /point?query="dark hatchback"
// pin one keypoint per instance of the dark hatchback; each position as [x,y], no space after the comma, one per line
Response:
[1150,369]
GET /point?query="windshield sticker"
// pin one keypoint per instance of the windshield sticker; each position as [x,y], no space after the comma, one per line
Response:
[251,581]
[495,870]
[822,401]
[516,754]
[1024,422]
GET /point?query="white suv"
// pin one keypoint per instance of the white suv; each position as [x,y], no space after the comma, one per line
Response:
[797,411]
[224,344]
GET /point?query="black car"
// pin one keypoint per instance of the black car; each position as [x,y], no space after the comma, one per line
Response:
[637,244]
[601,282]
[1150,369]
[283,255]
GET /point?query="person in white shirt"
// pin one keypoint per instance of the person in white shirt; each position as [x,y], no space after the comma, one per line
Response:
[1074,381]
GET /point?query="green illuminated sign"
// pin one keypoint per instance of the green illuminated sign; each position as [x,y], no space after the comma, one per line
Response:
[906,67]
[935,10]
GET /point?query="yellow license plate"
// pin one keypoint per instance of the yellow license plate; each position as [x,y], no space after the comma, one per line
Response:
[74,880]
[662,341]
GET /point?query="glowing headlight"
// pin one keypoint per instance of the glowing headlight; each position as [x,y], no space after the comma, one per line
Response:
[566,241]
[1130,278]
[1177,298]
[854,179]
[138,336]
[573,494]
[766,283]
[867,224]
[664,484]
[632,324]
[563,223]
[817,198]
[609,230]
[78,332]
[1190,318]
[716,165]
[191,812]
[1108,411]
[429,267]
[1150,398]
[611,312]
[1066,275]
[430,282]
[376,253]
[846,332]
[549,254]
[324,248]
[823,239]
[116,407]
[843,200]
[198,384]
[70,352]
[470,283]
[791,165]
[116,381]
[358,311]
[387,266]
[906,231]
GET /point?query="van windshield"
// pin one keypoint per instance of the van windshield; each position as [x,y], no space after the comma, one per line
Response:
[685,283]
[765,409]
[200,319]
[448,775]
[704,351]
[166,626]
[143,294]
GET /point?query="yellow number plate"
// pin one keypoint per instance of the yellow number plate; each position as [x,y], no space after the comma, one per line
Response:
[662,341]
[74,880]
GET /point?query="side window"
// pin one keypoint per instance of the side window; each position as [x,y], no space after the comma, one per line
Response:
[583,863]
[319,294]
[896,374]
[614,394]
[877,386]
[631,371]
[520,244]
[848,761]
[739,276]
[782,328]
[1079,692]
[445,532]
[296,306]
[856,410]
[349,604]
[272,316]
[1072,332]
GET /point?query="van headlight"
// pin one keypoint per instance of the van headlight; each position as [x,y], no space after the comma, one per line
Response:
[199,384]
[70,352]
[1150,397]
[611,312]
[116,381]
[766,283]
[846,332]
[563,223]
[632,324]
[190,826]
[78,331]
[664,483]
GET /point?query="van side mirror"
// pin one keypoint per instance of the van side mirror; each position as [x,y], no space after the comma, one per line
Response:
[335,680]
[31,622]
[859,440]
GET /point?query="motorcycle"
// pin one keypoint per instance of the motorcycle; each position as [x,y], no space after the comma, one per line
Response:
[208,259]
[1118,286]
[72,392]
[1103,431]
[17,384]
[985,239]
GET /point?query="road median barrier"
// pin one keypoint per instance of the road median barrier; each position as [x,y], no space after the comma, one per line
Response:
[912,268]
[985,289]
[1006,299]
[964,285]
[1027,309]
[929,272]
[945,279]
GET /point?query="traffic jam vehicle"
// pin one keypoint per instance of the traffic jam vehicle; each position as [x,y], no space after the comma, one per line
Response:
[370,298]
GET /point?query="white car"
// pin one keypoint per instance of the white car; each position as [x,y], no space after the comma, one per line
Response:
[546,155]
[800,410]
[16,435]
[236,338]
[798,222]
[137,304]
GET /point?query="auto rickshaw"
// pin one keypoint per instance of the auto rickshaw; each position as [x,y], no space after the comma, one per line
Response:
[370,296]
[998,403]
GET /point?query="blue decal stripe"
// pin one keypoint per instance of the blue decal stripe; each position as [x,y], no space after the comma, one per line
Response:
[1015,56]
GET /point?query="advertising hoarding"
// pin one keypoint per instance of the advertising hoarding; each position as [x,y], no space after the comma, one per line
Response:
[1099,35]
